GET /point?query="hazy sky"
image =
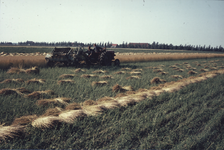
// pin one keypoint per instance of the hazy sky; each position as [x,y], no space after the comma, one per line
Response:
[196,22]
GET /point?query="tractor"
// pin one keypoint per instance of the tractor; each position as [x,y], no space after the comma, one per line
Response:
[69,57]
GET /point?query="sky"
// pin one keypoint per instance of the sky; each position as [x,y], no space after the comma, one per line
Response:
[191,22]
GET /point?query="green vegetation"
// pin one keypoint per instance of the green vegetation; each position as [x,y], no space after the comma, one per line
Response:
[191,118]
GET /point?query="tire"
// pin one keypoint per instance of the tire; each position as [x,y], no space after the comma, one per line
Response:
[50,63]
[105,59]
[117,62]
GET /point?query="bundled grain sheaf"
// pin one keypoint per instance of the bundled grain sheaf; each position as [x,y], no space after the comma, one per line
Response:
[37,94]
[53,111]
[106,77]
[79,70]
[33,70]
[136,70]
[73,106]
[67,76]
[133,77]
[157,80]
[120,72]
[70,115]
[158,70]
[92,110]
[89,102]
[213,68]
[62,100]
[163,73]
[177,76]
[8,91]
[180,70]
[88,75]
[10,131]
[99,71]
[125,101]
[192,72]
[14,70]
[24,120]
[136,73]
[42,81]
[99,83]
[65,81]
[118,88]
[204,70]
[125,68]
[46,121]
[12,80]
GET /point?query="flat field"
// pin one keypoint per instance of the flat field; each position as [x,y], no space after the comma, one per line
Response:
[147,115]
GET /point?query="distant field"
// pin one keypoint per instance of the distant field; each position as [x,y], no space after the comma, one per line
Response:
[30,56]
[188,115]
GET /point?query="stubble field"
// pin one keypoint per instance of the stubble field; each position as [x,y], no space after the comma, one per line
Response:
[182,108]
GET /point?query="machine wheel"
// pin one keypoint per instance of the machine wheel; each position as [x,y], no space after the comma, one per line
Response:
[117,62]
[50,63]
[105,59]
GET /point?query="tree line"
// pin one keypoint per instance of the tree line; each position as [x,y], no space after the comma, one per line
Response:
[153,45]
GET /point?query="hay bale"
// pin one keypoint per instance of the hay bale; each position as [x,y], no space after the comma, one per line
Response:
[46,121]
[24,120]
[192,72]
[10,131]
[157,80]
[88,75]
[67,76]
[70,115]
[99,83]
[42,81]
[73,106]
[99,71]
[65,81]
[133,77]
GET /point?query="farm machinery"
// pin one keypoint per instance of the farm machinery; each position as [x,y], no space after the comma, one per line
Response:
[75,57]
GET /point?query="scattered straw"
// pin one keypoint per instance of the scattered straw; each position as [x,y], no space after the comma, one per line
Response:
[33,70]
